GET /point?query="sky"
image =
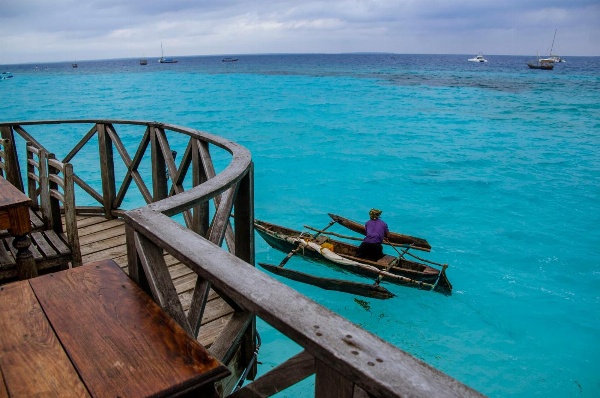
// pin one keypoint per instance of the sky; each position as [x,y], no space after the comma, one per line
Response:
[68,30]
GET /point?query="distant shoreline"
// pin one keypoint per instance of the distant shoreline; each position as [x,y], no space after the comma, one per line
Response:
[220,56]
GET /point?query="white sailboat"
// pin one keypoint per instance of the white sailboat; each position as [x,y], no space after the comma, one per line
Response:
[553,57]
[164,60]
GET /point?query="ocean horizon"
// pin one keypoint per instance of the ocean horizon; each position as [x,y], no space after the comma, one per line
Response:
[495,164]
[242,55]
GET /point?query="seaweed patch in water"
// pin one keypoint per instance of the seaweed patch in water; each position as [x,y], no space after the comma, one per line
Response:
[364,304]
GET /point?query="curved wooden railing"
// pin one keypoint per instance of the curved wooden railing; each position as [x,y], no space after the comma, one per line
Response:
[347,360]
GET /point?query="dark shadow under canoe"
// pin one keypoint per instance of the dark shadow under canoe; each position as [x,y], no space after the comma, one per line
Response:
[389,268]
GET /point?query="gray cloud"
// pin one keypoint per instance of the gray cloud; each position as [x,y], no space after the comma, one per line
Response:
[35,30]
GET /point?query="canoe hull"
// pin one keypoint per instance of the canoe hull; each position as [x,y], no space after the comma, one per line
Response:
[360,289]
[405,273]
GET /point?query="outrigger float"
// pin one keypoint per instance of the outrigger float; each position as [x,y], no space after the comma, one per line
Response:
[318,246]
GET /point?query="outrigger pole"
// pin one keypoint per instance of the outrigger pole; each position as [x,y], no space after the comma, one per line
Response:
[290,254]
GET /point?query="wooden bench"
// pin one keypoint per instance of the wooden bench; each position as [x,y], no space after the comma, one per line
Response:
[91,331]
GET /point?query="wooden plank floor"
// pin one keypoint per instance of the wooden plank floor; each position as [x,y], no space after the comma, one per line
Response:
[105,239]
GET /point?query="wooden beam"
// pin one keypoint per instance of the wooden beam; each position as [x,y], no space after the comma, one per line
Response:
[220,222]
[161,284]
[294,370]
[11,159]
[200,219]
[228,341]
[159,171]
[131,165]
[244,218]
[81,143]
[331,384]
[198,304]
[107,169]
[375,365]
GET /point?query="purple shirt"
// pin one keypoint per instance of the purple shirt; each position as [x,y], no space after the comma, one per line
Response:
[376,231]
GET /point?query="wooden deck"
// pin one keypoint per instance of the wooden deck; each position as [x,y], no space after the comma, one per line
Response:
[102,239]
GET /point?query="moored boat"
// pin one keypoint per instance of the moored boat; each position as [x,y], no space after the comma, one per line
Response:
[322,249]
[553,58]
[543,64]
[478,58]
[164,60]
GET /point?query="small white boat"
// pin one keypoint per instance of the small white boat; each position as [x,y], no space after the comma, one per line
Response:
[5,75]
[478,58]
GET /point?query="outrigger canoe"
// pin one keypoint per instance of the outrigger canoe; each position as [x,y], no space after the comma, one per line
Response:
[393,237]
[322,249]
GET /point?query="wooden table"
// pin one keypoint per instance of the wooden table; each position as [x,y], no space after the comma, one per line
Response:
[14,216]
[91,331]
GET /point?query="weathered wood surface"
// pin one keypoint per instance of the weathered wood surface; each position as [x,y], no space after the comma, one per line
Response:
[137,349]
[14,217]
[37,365]
[346,354]
[375,365]
[105,239]
[9,168]
[292,371]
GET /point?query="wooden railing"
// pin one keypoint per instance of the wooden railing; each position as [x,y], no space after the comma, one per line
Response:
[347,360]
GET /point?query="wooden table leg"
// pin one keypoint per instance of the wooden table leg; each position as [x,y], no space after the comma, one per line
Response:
[20,226]
[26,268]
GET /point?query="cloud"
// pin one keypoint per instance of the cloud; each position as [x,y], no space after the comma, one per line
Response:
[35,30]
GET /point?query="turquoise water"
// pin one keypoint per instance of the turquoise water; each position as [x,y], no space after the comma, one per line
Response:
[496,165]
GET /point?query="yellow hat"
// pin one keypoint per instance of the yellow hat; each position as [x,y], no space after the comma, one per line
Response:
[374,213]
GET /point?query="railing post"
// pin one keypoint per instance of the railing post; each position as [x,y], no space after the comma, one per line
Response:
[159,168]
[107,167]
[200,219]
[11,159]
[244,217]
[244,249]
[134,266]
[331,384]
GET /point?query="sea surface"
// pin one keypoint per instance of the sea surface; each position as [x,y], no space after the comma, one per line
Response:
[496,165]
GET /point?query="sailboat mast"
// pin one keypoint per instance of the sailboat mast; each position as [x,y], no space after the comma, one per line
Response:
[554,38]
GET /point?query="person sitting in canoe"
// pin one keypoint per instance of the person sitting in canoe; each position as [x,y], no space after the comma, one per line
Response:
[371,247]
